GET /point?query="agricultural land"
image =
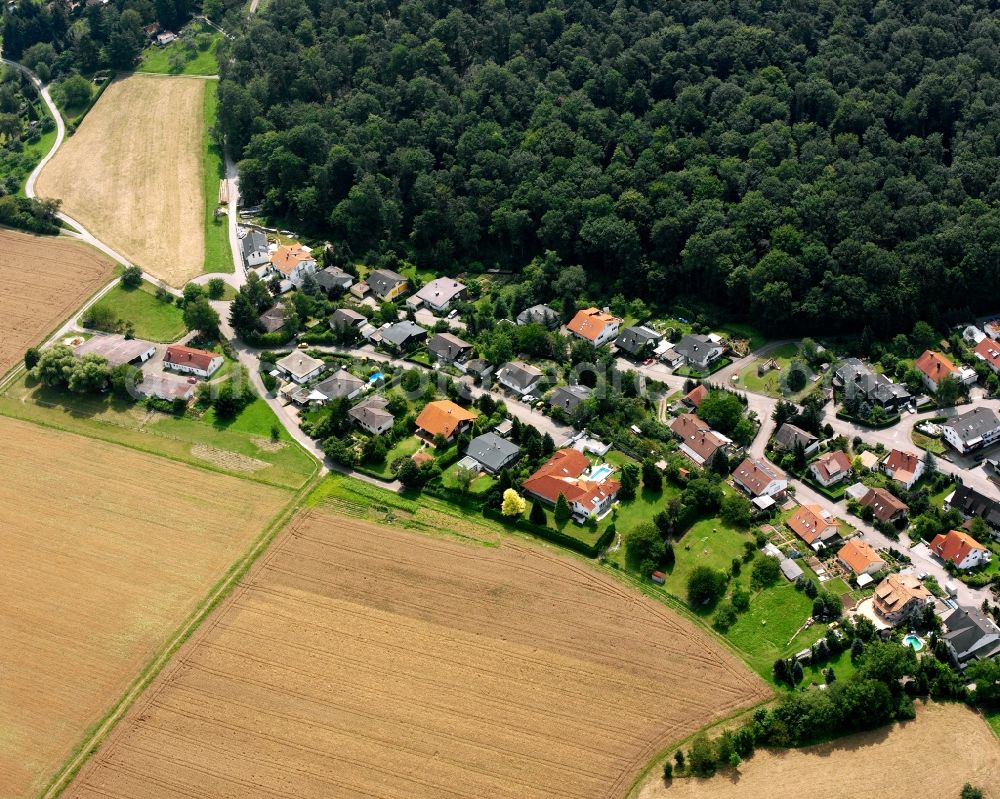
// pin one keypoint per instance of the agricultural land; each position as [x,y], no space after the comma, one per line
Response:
[366,660]
[63,274]
[138,186]
[106,552]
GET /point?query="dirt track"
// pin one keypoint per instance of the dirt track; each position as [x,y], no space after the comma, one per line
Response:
[930,758]
[132,174]
[366,661]
[105,552]
[44,280]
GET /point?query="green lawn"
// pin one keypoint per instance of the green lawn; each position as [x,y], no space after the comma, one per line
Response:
[479,486]
[993,718]
[154,320]
[642,509]
[709,542]
[770,382]
[157,59]
[743,330]
[935,445]
[218,255]
[405,447]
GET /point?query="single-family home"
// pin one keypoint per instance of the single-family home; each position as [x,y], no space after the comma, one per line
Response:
[299,367]
[402,336]
[699,351]
[972,335]
[568,472]
[339,385]
[903,467]
[760,478]
[637,342]
[448,348]
[935,367]
[695,396]
[165,387]
[698,441]
[970,635]
[788,435]
[165,38]
[593,325]
[443,418]
[254,248]
[814,525]
[519,377]
[830,468]
[344,318]
[568,398]
[900,598]
[293,262]
[961,549]
[858,556]
[116,349]
[971,503]
[988,350]
[992,329]
[273,319]
[539,315]
[478,368]
[438,294]
[492,452]
[333,280]
[370,414]
[886,507]
[972,430]
[387,285]
[858,379]
[191,360]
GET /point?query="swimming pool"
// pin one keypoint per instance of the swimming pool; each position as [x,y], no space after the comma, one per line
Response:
[600,472]
[376,377]
[914,642]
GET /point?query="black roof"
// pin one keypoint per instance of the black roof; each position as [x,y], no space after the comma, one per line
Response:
[972,503]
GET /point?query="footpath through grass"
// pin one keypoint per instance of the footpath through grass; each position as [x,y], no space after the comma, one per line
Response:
[218,256]
[154,319]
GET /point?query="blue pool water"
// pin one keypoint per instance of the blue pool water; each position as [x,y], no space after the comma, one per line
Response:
[913,642]
[601,472]
[376,377]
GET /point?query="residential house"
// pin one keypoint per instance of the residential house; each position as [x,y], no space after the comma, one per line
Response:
[970,635]
[831,468]
[971,503]
[370,414]
[387,285]
[900,598]
[568,398]
[858,556]
[293,263]
[344,318]
[788,435]
[903,467]
[438,294]
[868,460]
[443,418]
[539,315]
[988,350]
[151,30]
[479,368]
[190,360]
[698,441]
[699,351]
[273,319]
[637,342]
[448,348]
[992,329]
[972,430]
[402,336]
[492,452]
[333,280]
[339,385]
[519,377]
[857,378]
[814,525]
[973,335]
[116,349]
[165,38]
[960,549]
[299,367]
[760,478]
[935,367]
[568,473]
[695,396]
[164,387]
[597,327]
[886,507]
[254,248]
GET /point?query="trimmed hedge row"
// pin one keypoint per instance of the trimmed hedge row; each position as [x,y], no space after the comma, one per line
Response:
[846,417]
[554,536]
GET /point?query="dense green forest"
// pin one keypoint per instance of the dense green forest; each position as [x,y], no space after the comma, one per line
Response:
[814,164]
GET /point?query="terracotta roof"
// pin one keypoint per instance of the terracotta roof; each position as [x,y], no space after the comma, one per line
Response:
[896,591]
[696,395]
[756,475]
[900,465]
[286,258]
[831,464]
[590,323]
[809,524]
[697,435]
[954,546]
[189,356]
[443,417]
[935,365]
[859,555]
[989,351]
[561,474]
[884,504]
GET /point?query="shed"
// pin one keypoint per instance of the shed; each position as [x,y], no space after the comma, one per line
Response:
[791,569]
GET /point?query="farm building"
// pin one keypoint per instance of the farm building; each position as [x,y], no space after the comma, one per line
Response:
[116,349]
[190,360]
[165,387]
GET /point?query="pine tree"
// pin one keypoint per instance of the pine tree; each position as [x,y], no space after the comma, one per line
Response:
[797,673]
[537,515]
[562,512]
[799,456]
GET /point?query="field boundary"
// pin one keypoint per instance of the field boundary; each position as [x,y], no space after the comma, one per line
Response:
[95,736]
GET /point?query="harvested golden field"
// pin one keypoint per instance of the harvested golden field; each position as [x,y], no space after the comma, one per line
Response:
[930,758]
[106,551]
[45,279]
[131,174]
[365,661]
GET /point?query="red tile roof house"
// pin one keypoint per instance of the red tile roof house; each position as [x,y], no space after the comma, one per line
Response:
[858,556]
[884,505]
[989,350]
[191,361]
[597,327]
[698,441]
[903,467]
[566,473]
[935,367]
[696,395]
[830,468]
[760,478]
[813,525]
[960,549]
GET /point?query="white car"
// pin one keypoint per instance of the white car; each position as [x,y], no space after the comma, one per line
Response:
[453,313]
[529,398]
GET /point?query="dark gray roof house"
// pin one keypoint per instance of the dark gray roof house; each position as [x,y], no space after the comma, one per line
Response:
[333,280]
[341,384]
[478,367]
[345,317]
[254,248]
[385,283]
[519,377]
[447,347]
[273,319]
[698,350]
[492,452]
[567,398]
[371,414]
[539,315]
[638,340]
[970,502]
[971,635]
[403,335]
[788,434]
[976,428]
[854,375]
